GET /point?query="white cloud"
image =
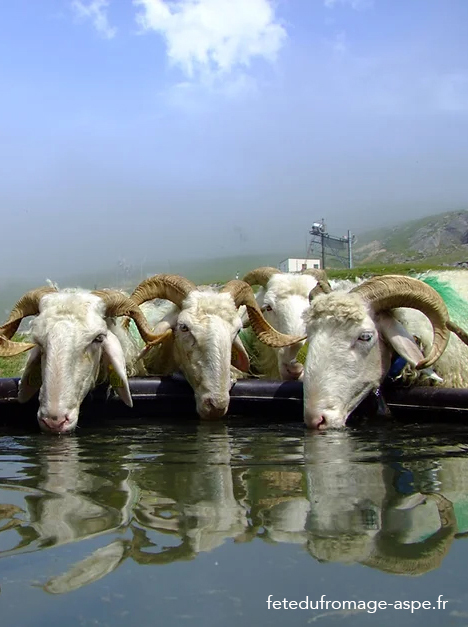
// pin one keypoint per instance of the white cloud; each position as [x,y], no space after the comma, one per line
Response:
[96,11]
[213,37]
[358,5]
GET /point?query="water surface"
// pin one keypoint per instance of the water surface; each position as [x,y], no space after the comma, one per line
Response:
[199,524]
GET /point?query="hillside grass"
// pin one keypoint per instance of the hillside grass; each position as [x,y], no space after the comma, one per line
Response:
[400,233]
[200,271]
[13,366]
[388,268]
[396,241]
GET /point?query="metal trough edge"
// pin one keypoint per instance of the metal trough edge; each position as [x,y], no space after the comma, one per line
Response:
[279,401]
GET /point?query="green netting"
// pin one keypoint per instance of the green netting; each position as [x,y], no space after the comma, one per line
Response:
[456,305]
[460,509]
[248,339]
[133,330]
[461,512]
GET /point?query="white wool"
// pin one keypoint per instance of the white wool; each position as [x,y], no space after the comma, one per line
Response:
[288,297]
[68,360]
[452,366]
[204,329]
[284,285]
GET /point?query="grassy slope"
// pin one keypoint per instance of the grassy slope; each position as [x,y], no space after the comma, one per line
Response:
[396,240]
[199,271]
[389,268]
[12,366]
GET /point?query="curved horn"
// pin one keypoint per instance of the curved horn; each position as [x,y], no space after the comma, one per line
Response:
[243,295]
[28,305]
[391,291]
[462,334]
[421,557]
[322,287]
[118,304]
[169,286]
[317,273]
[260,276]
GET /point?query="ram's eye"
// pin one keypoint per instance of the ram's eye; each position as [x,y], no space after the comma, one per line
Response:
[99,339]
[267,308]
[184,328]
[366,336]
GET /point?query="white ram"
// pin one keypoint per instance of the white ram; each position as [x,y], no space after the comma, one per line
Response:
[354,336]
[75,343]
[358,514]
[283,298]
[200,331]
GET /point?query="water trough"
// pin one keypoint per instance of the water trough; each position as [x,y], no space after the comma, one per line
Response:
[155,398]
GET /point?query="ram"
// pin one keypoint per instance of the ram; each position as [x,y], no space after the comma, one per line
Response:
[374,513]
[200,329]
[353,338]
[76,342]
[283,298]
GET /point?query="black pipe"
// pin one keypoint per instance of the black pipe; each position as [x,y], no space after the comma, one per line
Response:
[172,398]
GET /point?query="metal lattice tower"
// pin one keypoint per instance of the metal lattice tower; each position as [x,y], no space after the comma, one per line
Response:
[340,248]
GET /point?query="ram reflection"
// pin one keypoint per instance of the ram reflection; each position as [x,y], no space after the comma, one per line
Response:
[70,497]
[399,517]
[197,496]
[170,495]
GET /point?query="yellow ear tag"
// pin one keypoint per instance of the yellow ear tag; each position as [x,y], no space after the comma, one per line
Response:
[35,376]
[234,355]
[302,353]
[114,378]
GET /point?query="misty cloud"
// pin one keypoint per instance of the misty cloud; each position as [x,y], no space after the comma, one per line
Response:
[96,12]
[213,36]
[109,153]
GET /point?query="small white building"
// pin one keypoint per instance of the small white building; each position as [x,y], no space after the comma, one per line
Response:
[298,265]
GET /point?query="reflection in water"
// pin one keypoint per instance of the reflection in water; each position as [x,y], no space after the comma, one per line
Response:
[375,513]
[163,495]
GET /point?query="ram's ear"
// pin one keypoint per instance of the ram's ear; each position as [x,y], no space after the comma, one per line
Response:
[114,361]
[400,339]
[31,379]
[239,357]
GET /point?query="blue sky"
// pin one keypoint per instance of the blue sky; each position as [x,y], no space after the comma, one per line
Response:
[201,128]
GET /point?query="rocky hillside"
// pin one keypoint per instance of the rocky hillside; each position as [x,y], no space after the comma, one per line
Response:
[437,239]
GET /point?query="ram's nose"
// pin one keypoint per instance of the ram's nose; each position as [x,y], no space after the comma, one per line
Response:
[322,419]
[315,420]
[211,408]
[54,423]
[292,371]
[61,423]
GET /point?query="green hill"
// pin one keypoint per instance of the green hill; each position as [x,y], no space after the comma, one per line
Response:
[200,271]
[203,271]
[438,239]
